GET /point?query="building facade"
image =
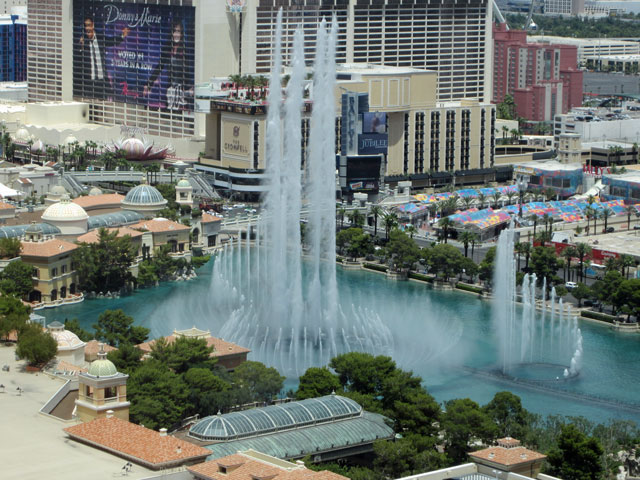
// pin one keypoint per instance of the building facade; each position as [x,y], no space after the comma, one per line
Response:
[564,7]
[543,79]
[13,48]
[590,47]
[138,79]
[423,136]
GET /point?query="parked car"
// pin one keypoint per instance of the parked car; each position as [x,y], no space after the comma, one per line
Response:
[570,285]
[609,230]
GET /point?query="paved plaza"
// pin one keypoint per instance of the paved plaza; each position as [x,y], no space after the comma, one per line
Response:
[33,445]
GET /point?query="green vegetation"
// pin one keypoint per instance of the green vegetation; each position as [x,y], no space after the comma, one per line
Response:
[576,456]
[35,345]
[13,315]
[354,243]
[116,328]
[104,266]
[73,325]
[10,247]
[579,27]
[16,279]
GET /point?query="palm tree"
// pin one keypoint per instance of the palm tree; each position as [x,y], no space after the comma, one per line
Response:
[548,222]
[341,213]
[588,212]
[466,237]
[236,79]
[467,202]
[625,261]
[496,196]
[474,240]
[583,251]
[445,224]
[568,253]
[505,132]
[596,215]
[482,198]
[525,249]
[511,196]
[356,218]
[517,248]
[390,221]
[411,230]
[630,209]
[376,211]
[533,218]
[606,213]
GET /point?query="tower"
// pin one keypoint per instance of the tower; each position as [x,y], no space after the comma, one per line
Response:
[184,193]
[102,388]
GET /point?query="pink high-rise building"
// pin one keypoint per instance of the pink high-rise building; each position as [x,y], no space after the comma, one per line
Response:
[543,78]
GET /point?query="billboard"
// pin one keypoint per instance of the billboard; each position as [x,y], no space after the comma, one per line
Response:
[363,173]
[236,138]
[372,143]
[374,122]
[134,53]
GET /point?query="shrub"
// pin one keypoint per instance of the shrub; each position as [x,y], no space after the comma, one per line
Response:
[373,266]
[598,316]
[469,288]
[419,276]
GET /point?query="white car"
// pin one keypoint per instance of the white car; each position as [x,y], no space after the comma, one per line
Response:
[570,285]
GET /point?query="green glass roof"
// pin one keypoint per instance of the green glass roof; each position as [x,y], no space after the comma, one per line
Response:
[286,416]
[311,440]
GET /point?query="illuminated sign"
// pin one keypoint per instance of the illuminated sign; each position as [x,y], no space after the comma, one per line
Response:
[349,129]
[134,53]
[372,143]
[236,139]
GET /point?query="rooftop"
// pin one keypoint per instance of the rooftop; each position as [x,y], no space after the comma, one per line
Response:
[46,248]
[93,347]
[114,219]
[507,455]
[312,439]
[93,201]
[207,218]
[251,465]
[220,347]
[136,443]
[549,165]
[93,235]
[158,225]
[285,416]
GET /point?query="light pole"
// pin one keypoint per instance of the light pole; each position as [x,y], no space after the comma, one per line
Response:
[521,185]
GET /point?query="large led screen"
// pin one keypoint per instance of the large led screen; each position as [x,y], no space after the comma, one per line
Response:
[134,53]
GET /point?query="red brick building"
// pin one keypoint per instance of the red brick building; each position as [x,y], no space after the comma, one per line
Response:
[542,78]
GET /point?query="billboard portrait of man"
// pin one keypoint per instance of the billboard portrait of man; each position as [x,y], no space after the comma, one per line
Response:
[91,48]
[134,53]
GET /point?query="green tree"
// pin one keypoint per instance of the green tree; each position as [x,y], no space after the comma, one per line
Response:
[486,267]
[184,353]
[506,109]
[445,260]
[146,274]
[445,224]
[511,419]
[390,221]
[317,382]
[104,266]
[576,457]
[36,346]
[580,293]
[73,325]
[407,456]
[467,237]
[261,383]
[544,263]
[356,218]
[341,213]
[627,297]
[204,390]
[13,315]
[376,211]
[16,279]
[362,372]
[127,358]
[583,252]
[116,328]
[462,422]
[159,397]
[402,251]
[164,266]
[168,192]
[10,247]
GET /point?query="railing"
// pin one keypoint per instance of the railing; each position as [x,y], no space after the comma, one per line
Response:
[102,401]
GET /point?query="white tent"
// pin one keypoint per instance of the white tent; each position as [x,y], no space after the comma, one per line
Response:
[6,192]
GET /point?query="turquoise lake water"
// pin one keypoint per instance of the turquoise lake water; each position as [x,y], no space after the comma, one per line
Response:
[445,337]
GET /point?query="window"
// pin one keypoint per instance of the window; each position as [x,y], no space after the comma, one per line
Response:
[63,268]
[54,272]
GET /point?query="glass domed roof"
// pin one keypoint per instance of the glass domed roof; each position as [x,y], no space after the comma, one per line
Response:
[144,195]
[102,367]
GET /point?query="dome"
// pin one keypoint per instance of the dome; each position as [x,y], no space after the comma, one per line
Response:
[66,340]
[102,367]
[34,229]
[64,211]
[134,147]
[58,190]
[144,195]
[37,147]
[22,134]
[70,140]
[184,183]
[95,191]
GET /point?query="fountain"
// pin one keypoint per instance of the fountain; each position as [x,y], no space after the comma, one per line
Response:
[530,347]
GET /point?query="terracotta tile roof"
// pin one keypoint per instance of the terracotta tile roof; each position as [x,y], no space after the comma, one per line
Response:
[221,347]
[47,248]
[157,225]
[106,199]
[245,467]
[208,218]
[507,456]
[137,443]
[92,236]
[93,347]
[69,367]
[6,206]
[25,181]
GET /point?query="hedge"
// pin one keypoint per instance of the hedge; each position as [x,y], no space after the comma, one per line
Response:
[598,316]
[419,276]
[469,288]
[373,266]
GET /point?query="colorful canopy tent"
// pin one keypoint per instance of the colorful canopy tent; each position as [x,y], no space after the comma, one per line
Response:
[6,192]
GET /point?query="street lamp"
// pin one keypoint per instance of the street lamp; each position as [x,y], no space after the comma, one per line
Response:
[521,183]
